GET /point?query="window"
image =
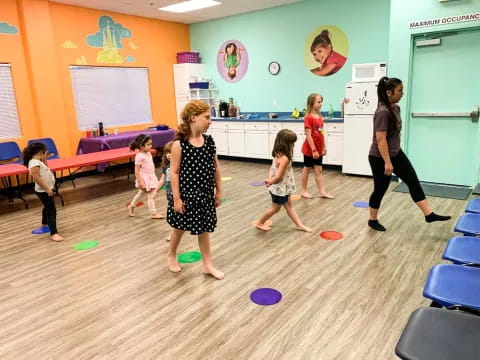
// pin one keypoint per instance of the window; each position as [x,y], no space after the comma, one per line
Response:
[9,124]
[115,96]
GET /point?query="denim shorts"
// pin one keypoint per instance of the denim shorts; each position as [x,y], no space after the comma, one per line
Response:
[279,200]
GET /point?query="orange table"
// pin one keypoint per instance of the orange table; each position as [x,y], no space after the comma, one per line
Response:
[9,190]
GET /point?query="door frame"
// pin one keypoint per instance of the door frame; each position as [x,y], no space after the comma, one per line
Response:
[407,118]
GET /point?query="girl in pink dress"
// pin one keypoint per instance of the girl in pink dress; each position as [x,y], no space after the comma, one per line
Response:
[146,179]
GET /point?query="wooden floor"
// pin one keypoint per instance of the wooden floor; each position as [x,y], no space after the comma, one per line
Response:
[346,299]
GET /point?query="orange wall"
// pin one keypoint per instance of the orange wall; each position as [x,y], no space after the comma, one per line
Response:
[42,82]
[12,52]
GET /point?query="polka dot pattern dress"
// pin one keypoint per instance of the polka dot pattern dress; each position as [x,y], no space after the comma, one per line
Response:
[197,189]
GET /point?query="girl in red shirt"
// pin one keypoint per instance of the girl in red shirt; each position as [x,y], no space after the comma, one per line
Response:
[313,148]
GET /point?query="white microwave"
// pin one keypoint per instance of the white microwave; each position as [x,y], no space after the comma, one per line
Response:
[368,72]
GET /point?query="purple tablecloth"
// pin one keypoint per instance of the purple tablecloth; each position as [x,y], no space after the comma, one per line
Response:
[108,142]
[101,143]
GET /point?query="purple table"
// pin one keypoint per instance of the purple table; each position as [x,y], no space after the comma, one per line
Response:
[123,139]
[101,143]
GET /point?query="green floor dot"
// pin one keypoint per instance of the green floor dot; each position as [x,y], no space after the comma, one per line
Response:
[189,257]
[163,187]
[224,199]
[85,245]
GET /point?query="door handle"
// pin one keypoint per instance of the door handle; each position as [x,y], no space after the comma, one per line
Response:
[473,115]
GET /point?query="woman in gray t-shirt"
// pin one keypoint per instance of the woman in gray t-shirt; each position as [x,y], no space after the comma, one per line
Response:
[386,156]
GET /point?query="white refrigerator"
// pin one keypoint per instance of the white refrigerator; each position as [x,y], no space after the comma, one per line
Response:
[360,105]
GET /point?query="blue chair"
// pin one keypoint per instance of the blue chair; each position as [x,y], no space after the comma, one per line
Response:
[52,152]
[473,206]
[463,250]
[449,285]
[441,335]
[468,224]
[10,153]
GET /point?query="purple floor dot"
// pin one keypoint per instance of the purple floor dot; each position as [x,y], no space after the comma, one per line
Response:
[257,183]
[266,296]
[41,230]
[361,204]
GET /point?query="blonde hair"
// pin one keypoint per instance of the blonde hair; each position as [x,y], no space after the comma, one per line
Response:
[166,149]
[311,101]
[193,108]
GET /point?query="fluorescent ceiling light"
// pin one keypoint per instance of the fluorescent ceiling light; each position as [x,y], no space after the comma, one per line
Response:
[190,5]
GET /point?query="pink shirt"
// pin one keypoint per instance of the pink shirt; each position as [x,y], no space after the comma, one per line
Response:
[147,170]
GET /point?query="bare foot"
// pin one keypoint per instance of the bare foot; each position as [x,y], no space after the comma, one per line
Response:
[173,264]
[306,195]
[268,222]
[131,210]
[217,274]
[56,237]
[325,195]
[157,216]
[263,227]
[304,228]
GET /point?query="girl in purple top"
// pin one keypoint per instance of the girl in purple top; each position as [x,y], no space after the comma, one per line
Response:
[386,156]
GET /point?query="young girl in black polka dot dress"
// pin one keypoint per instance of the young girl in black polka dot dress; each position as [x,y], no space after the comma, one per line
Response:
[195,175]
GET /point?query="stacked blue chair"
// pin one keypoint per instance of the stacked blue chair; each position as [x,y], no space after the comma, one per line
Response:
[449,285]
[437,334]
[443,334]
[463,250]
[468,224]
[473,206]
[10,153]
[52,153]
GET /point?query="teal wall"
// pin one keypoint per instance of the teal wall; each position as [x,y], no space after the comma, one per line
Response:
[280,34]
[402,12]
[401,49]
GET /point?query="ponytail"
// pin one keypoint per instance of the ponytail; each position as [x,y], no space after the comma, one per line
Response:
[31,150]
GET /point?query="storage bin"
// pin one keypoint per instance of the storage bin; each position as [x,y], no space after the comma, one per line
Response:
[199,85]
[188,57]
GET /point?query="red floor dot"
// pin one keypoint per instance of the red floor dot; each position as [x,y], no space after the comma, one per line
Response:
[331,235]
[140,203]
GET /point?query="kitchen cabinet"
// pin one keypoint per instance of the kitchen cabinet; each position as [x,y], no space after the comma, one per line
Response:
[334,143]
[256,139]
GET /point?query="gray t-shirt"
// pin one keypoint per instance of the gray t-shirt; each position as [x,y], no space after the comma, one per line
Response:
[384,120]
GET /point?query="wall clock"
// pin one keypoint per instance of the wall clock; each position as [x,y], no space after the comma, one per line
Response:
[274,68]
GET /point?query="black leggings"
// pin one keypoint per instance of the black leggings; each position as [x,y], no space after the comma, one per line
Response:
[403,169]
[49,212]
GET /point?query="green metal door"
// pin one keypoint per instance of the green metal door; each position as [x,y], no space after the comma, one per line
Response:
[443,143]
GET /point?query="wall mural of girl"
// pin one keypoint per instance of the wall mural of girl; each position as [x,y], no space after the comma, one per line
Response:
[321,56]
[232,60]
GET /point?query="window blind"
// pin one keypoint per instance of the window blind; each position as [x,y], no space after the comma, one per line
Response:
[9,123]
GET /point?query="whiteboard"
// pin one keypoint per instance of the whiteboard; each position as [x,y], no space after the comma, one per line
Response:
[116,96]
[9,124]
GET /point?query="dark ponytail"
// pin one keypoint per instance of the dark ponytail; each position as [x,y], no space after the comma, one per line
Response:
[31,150]
[139,141]
[384,85]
